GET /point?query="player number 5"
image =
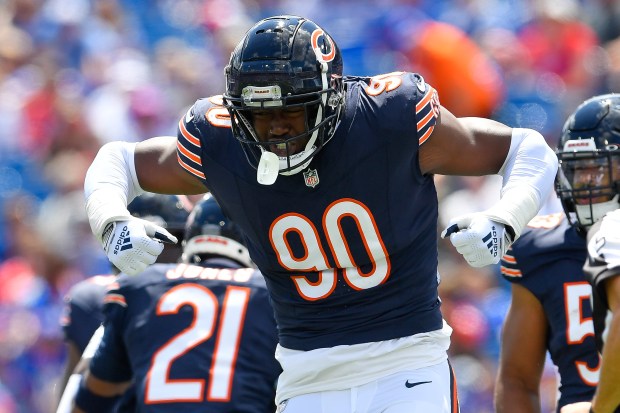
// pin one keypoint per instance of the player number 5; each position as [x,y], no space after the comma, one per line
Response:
[578,327]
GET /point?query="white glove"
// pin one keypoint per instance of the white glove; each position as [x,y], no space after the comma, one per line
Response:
[478,239]
[134,244]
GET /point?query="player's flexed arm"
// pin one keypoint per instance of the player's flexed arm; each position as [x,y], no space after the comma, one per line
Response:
[450,145]
[120,172]
[476,146]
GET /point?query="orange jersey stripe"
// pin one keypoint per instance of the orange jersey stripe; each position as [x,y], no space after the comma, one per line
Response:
[421,104]
[511,273]
[191,138]
[424,137]
[425,120]
[455,398]
[191,155]
[509,259]
[189,169]
[115,299]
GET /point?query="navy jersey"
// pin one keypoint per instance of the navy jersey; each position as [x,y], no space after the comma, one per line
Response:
[547,260]
[600,266]
[343,263]
[194,339]
[83,311]
[83,315]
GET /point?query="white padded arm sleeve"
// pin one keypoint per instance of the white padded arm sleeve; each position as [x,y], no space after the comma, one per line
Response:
[528,174]
[111,184]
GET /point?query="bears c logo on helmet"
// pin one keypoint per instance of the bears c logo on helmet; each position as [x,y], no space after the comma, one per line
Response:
[331,52]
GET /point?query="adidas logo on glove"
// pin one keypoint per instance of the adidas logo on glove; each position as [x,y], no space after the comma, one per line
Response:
[134,244]
[124,242]
[479,239]
[492,241]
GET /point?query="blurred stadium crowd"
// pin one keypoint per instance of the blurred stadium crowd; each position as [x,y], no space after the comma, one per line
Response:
[76,74]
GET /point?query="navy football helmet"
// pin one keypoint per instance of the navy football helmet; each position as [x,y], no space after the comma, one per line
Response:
[285,62]
[169,212]
[209,234]
[588,182]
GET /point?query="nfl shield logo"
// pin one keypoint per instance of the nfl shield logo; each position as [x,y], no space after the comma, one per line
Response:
[311,177]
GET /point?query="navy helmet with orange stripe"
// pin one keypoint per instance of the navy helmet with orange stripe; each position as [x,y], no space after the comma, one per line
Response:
[285,62]
[588,182]
[209,235]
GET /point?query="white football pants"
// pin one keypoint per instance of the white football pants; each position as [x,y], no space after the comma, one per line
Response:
[426,390]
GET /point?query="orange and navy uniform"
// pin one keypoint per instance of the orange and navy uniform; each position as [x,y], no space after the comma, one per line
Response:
[192,338]
[547,260]
[343,264]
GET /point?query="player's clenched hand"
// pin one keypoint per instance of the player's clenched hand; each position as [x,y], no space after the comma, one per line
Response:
[134,244]
[478,239]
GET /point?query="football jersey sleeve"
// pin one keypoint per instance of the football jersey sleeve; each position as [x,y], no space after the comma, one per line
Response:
[206,124]
[110,361]
[509,267]
[189,145]
[83,311]
[547,240]
[426,110]
[514,272]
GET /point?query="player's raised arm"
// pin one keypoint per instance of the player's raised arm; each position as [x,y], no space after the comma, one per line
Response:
[120,172]
[476,146]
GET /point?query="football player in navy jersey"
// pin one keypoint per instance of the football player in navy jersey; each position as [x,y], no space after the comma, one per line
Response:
[330,178]
[551,293]
[84,302]
[550,311]
[190,336]
[590,165]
